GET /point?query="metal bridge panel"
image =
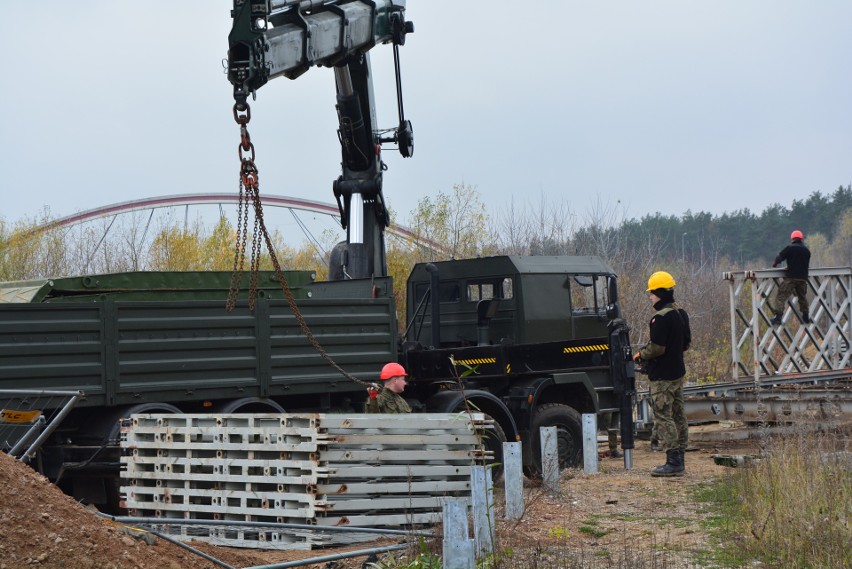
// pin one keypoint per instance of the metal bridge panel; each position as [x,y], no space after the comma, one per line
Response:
[761,350]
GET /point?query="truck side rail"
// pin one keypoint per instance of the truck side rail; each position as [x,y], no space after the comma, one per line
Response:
[23,422]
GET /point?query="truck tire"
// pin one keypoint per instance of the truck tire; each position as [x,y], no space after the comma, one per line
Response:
[492,440]
[112,480]
[569,437]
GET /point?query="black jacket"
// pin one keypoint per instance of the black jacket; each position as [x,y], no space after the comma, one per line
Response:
[798,258]
[670,329]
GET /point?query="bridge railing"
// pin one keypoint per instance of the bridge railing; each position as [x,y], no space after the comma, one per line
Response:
[760,350]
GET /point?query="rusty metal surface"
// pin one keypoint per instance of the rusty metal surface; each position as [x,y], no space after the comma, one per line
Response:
[774,406]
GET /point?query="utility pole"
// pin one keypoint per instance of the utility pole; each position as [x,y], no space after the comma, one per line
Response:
[683,249]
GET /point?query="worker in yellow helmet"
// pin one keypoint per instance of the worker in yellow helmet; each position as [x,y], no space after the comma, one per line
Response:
[663,358]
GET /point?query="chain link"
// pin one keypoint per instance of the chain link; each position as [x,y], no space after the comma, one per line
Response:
[250,192]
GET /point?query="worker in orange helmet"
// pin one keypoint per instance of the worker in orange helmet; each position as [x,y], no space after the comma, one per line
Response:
[387,398]
[798,259]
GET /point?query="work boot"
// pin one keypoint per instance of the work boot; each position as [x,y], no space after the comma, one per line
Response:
[776,320]
[656,446]
[806,318]
[673,465]
[612,439]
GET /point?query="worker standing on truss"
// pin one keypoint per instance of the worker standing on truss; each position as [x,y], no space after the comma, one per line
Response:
[798,259]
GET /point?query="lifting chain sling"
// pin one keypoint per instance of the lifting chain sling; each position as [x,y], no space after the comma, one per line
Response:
[250,194]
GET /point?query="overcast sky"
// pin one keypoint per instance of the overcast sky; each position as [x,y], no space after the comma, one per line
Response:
[657,105]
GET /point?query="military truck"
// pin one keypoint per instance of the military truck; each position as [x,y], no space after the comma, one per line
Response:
[530,341]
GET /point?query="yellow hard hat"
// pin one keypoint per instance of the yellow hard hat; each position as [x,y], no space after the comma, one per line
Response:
[660,279]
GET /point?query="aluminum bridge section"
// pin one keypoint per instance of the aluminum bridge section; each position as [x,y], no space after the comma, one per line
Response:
[762,351]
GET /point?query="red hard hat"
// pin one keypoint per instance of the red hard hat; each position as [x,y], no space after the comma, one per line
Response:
[392,370]
[796,235]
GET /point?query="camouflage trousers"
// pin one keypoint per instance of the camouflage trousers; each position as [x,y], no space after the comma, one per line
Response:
[669,417]
[788,288]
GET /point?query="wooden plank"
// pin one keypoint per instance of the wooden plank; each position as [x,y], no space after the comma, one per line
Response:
[221,447]
[227,461]
[336,455]
[413,422]
[421,440]
[146,478]
[381,488]
[173,495]
[382,520]
[430,471]
[376,504]
[184,511]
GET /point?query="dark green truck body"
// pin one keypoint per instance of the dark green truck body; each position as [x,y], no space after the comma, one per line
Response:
[112,341]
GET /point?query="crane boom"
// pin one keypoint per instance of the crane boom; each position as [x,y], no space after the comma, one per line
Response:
[274,38]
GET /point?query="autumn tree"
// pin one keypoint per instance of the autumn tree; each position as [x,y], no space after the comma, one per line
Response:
[838,252]
[458,222]
[543,229]
[447,226]
[28,253]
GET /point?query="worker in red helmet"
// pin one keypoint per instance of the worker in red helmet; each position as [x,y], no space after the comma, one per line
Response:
[387,398]
[795,281]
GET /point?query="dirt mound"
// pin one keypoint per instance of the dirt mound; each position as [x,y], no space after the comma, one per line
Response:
[40,526]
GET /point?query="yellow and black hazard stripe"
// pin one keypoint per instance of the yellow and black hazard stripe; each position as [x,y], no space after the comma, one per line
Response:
[476,361]
[583,349]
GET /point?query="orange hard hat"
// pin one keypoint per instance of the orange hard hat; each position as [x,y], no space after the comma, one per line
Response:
[796,235]
[392,370]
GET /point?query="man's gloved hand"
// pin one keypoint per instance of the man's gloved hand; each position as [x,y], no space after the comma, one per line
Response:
[373,391]
[640,363]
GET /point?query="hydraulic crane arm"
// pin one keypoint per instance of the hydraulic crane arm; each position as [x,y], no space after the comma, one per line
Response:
[271,38]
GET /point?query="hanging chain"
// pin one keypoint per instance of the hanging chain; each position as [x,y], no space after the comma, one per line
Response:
[250,193]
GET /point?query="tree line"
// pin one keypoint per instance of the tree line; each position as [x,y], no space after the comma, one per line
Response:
[695,248]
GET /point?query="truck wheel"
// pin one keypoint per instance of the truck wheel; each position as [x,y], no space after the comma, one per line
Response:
[569,437]
[111,479]
[492,440]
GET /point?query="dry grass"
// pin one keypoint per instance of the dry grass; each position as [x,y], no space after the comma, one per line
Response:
[792,508]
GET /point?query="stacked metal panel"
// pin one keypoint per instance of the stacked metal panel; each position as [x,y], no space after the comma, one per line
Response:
[374,471]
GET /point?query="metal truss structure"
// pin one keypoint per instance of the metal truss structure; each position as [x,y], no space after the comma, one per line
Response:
[762,351]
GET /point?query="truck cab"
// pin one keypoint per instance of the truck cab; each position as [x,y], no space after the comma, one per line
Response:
[532,341]
[512,300]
